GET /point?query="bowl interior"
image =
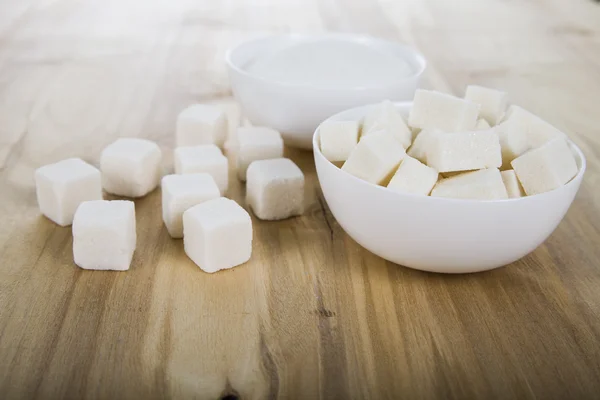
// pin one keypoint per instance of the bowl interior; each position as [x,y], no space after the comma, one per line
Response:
[241,57]
[358,113]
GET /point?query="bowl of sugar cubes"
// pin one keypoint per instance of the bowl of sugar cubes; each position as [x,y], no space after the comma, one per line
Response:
[447,184]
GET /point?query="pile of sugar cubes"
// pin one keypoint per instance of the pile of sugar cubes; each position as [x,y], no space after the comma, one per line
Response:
[217,231]
[465,148]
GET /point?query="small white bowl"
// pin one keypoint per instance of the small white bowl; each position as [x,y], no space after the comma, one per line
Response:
[297,109]
[439,234]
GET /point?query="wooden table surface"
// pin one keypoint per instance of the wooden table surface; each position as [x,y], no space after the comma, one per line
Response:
[312,315]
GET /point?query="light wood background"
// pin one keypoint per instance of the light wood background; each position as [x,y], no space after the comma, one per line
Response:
[312,315]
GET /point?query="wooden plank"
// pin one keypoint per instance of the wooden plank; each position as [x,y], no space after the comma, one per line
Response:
[312,315]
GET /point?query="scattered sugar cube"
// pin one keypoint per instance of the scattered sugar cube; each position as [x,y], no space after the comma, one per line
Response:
[104,234]
[492,102]
[435,110]
[217,234]
[545,168]
[375,158]
[180,192]
[422,142]
[484,184]
[206,158]
[413,177]
[130,167]
[482,124]
[513,187]
[62,186]
[256,143]
[464,151]
[201,124]
[338,139]
[275,189]
[522,131]
[386,117]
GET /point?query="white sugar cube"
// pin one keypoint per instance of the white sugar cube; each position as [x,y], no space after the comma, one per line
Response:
[386,117]
[201,124]
[275,189]
[522,131]
[482,124]
[545,168]
[421,143]
[435,110]
[217,234]
[513,187]
[256,143]
[338,139]
[62,186]
[180,192]
[207,158]
[464,151]
[130,167]
[104,234]
[492,102]
[375,158]
[484,184]
[413,177]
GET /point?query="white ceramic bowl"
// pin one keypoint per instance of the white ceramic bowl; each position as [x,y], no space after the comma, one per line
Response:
[439,234]
[297,109]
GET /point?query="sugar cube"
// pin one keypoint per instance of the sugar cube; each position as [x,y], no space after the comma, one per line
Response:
[62,186]
[104,234]
[256,143]
[338,139]
[275,189]
[484,184]
[413,177]
[375,158]
[546,167]
[201,124]
[513,187]
[451,174]
[130,167]
[217,234]
[464,151]
[180,192]
[492,102]
[482,124]
[206,158]
[386,117]
[421,143]
[435,110]
[522,131]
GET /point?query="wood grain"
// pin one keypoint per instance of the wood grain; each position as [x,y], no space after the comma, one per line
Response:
[312,315]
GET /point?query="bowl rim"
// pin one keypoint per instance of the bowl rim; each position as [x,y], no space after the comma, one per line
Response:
[417,59]
[407,104]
